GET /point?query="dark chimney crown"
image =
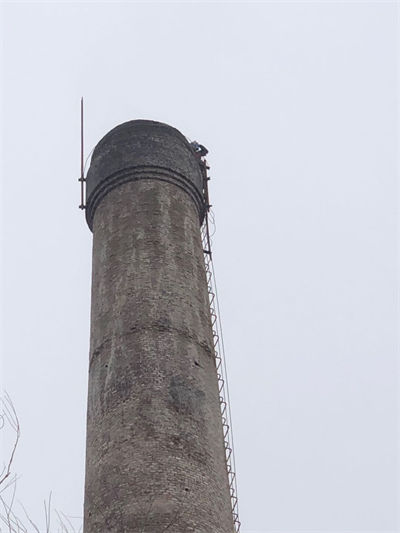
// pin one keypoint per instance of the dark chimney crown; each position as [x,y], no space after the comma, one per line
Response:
[143,149]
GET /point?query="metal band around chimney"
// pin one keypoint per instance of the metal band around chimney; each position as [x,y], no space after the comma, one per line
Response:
[143,149]
[137,173]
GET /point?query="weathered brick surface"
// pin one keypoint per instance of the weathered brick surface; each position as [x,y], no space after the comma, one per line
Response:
[155,459]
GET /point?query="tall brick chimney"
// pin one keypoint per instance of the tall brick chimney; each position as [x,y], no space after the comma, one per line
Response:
[155,457]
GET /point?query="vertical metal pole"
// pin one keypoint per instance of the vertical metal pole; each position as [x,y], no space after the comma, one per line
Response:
[82,178]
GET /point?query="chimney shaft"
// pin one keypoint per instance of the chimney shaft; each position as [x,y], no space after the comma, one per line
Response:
[155,458]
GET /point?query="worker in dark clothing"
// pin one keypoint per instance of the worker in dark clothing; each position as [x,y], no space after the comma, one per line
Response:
[200,150]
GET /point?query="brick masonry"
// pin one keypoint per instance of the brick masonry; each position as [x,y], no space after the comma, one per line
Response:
[155,459]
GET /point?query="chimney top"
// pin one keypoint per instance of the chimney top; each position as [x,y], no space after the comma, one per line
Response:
[143,149]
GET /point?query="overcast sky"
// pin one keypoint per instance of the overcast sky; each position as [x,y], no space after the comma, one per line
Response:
[296,102]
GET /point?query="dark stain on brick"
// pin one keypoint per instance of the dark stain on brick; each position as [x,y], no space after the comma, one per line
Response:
[184,397]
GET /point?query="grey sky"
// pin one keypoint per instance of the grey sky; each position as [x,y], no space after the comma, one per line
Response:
[297,105]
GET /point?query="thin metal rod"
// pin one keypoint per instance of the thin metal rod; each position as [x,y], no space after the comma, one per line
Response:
[82,178]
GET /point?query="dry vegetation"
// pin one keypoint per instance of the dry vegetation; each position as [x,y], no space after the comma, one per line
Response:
[14,517]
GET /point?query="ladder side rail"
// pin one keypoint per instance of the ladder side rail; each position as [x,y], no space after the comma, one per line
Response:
[220,360]
[224,369]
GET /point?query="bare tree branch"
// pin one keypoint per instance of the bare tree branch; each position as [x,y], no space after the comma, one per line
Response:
[8,485]
[32,523]
[9,413]
[47,514]
[10,482]
[64,528]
